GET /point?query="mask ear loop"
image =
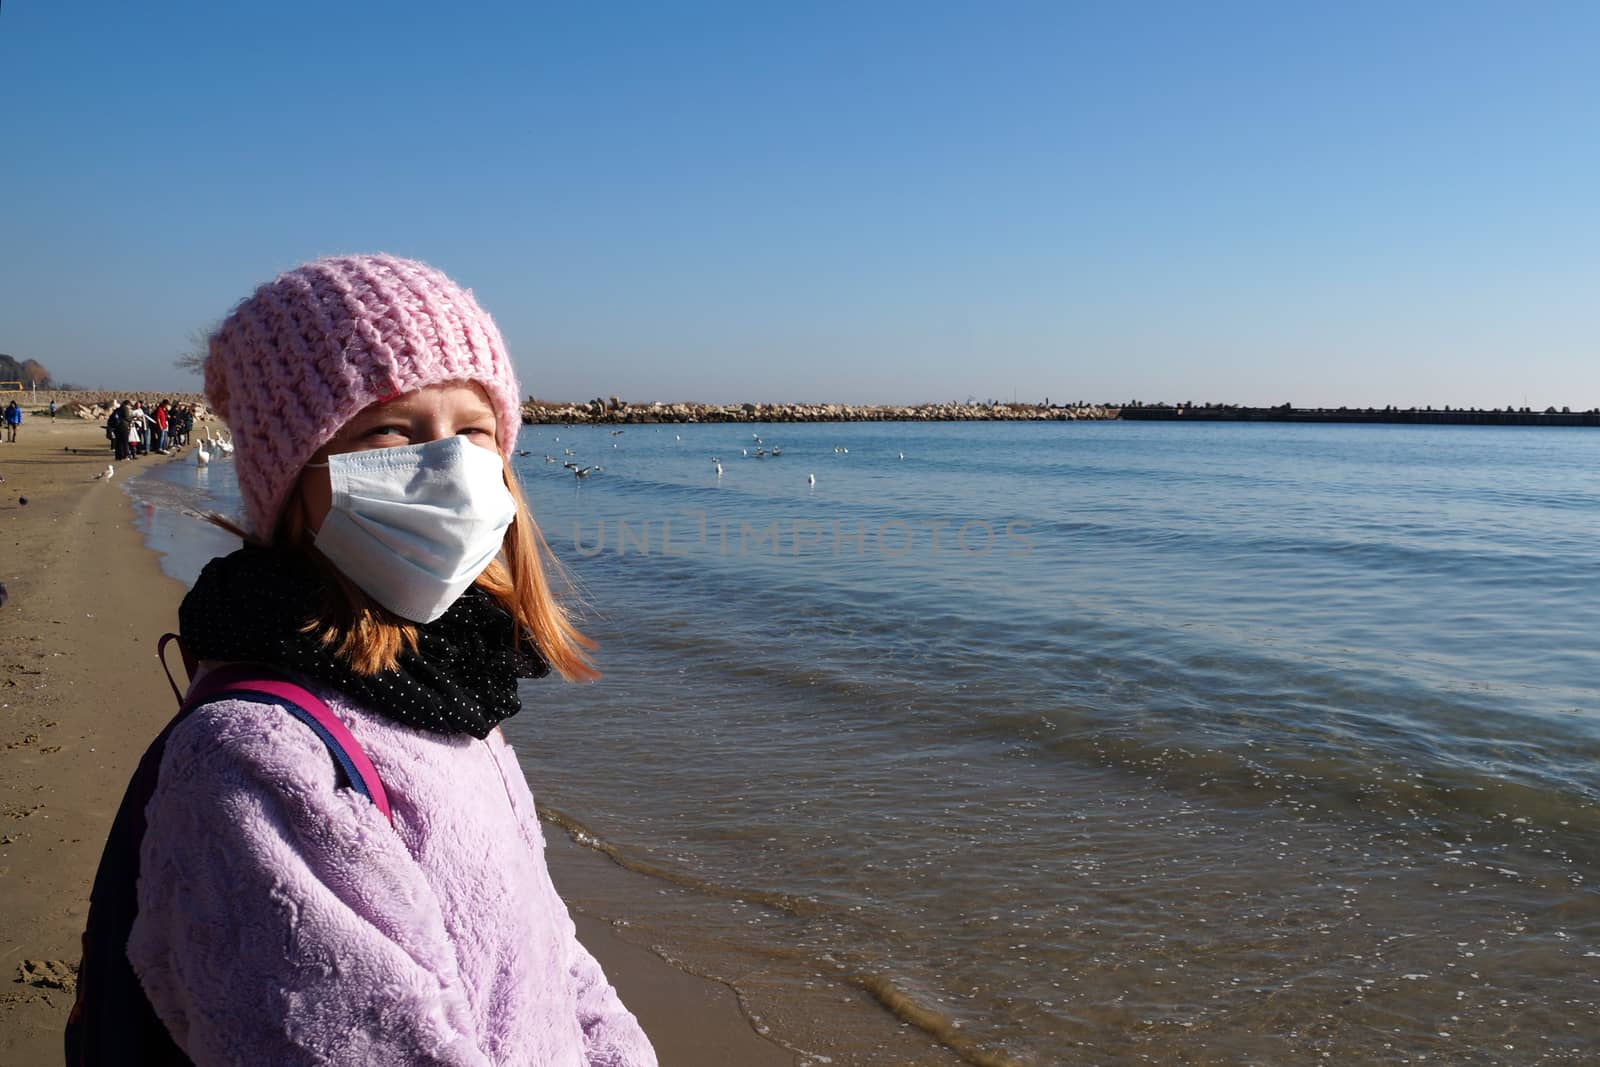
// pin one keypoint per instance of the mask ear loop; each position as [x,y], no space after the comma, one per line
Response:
[189,663]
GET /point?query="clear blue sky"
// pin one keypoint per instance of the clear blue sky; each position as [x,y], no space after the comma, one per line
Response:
[1316,203]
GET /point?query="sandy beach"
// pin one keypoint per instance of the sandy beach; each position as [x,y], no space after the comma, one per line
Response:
[82,693]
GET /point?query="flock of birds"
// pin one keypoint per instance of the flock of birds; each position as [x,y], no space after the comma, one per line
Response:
[762,451]
[577,471]
[222,445]
[205,449]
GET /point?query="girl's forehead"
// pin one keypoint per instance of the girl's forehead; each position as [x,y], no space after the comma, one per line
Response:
[454,397]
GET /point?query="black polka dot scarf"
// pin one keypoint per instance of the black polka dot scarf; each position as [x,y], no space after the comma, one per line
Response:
[462,679]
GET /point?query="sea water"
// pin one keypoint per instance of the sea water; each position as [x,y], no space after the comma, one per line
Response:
[1038,743]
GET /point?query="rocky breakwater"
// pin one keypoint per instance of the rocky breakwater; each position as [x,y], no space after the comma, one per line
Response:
[616,410]
[96,405]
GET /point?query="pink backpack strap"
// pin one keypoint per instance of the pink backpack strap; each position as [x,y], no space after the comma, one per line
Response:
[263,680]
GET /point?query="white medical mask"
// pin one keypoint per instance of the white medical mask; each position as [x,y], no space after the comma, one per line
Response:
[414,525]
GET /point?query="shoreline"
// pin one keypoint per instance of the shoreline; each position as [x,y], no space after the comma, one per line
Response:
[82,694]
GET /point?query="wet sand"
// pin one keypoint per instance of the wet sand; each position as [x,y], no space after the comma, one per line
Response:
[82,694]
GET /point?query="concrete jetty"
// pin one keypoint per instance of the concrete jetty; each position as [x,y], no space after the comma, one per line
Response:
[1445,416]
[615,410]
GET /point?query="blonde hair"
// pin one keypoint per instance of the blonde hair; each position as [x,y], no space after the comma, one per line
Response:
[369,638]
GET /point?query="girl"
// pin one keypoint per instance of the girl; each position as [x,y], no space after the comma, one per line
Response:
[135,428]
[392,567]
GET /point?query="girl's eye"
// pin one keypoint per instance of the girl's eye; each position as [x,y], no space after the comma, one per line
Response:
[386,431]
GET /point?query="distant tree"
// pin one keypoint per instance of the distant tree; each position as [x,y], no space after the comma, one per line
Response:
[193,358]
[33,372]
[27,371]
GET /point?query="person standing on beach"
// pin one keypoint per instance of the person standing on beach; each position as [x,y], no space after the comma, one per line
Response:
[135,431]
[137,434]
[119,428]
[52,411]
[161,427]
[391,566]
[13,420]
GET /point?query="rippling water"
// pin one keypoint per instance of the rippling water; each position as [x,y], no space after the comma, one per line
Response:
[1089,743]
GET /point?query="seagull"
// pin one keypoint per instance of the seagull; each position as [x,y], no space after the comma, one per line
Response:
[777,451]
[524,452]
[570,466]
[568,452]
[902,455]
[811,479]
[548,458]
[614,433]
[583,472]
[717,463]
[107,473]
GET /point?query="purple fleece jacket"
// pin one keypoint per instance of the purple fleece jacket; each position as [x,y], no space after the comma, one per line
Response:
[282,920]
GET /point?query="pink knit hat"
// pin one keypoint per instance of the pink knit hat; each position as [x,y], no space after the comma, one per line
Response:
[316,345]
